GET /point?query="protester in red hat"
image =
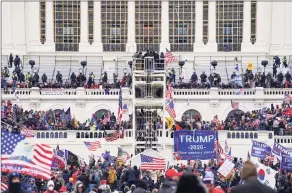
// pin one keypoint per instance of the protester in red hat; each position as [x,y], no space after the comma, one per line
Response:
[170,183]
[63,189]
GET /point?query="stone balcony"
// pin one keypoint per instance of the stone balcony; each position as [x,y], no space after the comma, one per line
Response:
[85,102]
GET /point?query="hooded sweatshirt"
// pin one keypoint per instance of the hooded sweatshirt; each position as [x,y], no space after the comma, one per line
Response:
[13,188]
[49,184]
[76,187]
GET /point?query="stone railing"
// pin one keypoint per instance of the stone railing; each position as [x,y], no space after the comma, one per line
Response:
[178,92]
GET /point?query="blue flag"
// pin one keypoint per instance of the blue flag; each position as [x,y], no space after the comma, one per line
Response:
[279,150]
[193,145]
[286,162]
[260,150]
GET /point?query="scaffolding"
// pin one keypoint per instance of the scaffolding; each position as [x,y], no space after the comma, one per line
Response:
[148,88]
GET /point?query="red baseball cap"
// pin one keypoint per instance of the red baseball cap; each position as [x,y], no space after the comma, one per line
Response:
[172,173]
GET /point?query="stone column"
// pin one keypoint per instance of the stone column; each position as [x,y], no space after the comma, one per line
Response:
[18,27]
[246,43]
[97,43]
[263,30]
[49,44]
[198,44]
[212,44]
[84,44]
[164,26]
[131,45]
[33,26]
[6,32]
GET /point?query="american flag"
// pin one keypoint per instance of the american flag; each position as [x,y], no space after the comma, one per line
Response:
[169,107]
[112,136]
[287,98]
[28,133]
[169,57]
[92,146]
[168,93]
[107,118]
[151,163]
[235,105]
[3,186]
[19,155]
[120,114]
[228,155]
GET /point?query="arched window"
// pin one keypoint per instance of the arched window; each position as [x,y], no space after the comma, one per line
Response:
[95,135]
[91,135]
[43,135]
[255,135]
[82,135]
[38,135]
[52,135]
[270,135]
[233,135]
[191,114]
[65,135]
[47,135]
[229,25]
[237,135]
[56,135]
[235,113]
[228,135]
[77,135]
[242,135]
[61,135]
[246,136]
[101,112]
[251,135]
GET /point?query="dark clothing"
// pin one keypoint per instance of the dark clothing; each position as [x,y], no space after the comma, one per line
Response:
[140,190]
[131,175]
[66,176]
[84,179]
[252,186]
[168,186]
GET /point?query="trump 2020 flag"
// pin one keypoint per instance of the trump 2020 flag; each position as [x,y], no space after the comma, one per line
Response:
[20,155]
[286,162]
[279,150]
[260,150]
[266,175]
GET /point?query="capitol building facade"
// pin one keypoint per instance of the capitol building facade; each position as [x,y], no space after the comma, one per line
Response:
[59,35]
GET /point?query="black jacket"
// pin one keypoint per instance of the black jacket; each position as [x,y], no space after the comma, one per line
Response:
[168,186]
[131,175]
[84,179]
[252,186]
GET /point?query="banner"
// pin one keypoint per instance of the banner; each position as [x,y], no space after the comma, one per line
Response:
[260,150]
[237,80]
[226,167]
[193,145]
[286,162]
[279,150]
[266,175]
[58,162]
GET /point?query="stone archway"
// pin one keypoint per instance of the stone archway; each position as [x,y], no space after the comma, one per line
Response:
[235,113]
[191,114]
[101,112]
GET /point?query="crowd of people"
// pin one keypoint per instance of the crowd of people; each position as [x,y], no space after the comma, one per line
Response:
[112,176]
[273,119]
[248,79]
[15,118]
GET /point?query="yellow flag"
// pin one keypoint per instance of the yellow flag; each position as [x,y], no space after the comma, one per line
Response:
[249,66]
[169,122]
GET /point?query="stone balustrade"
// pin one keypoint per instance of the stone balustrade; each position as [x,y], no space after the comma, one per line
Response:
[177,92]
